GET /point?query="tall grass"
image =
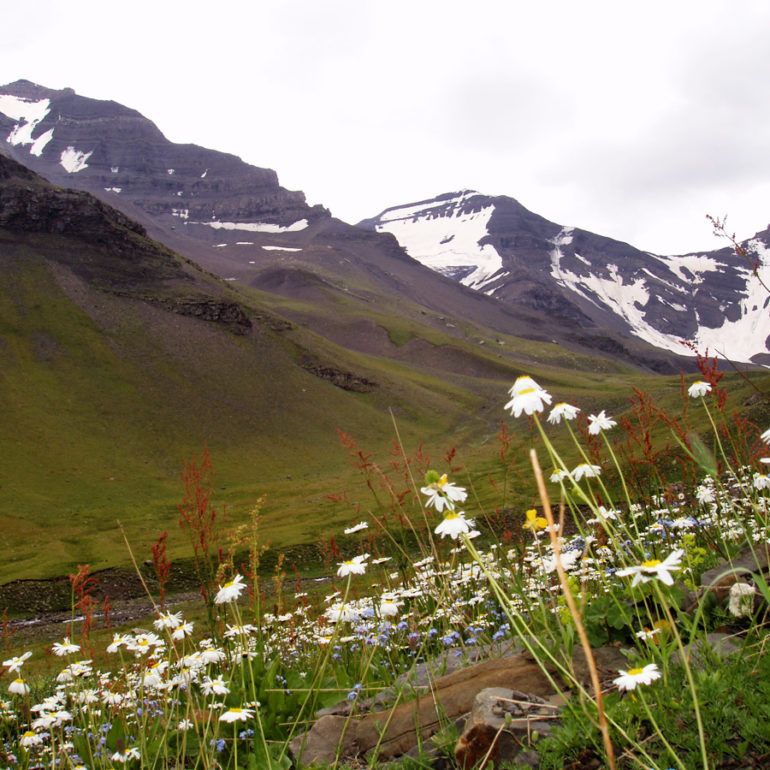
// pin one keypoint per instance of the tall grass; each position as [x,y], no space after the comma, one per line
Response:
[642,510]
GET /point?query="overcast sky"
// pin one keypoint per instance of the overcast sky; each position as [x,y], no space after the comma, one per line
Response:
[633,120]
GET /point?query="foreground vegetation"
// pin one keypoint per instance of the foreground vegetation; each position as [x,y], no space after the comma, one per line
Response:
[623,526]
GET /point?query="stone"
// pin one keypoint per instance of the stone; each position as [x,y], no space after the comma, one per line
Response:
[384,735]
[718,644]
[501,723]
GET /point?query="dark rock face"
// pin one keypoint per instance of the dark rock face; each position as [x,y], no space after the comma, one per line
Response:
[337,377]
[106,248]
[103,146]
[236,221]
[498,247]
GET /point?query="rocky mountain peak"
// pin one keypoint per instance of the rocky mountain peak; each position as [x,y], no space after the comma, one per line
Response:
[497,246]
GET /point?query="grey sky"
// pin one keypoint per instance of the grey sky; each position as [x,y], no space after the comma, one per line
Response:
[633,120]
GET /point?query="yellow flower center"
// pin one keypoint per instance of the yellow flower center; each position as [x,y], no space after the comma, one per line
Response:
[451,515]
[526,391]
[28,734]
[635,671]
[236,711]
[442,482]
[228,585]
[651,563]
[19,681]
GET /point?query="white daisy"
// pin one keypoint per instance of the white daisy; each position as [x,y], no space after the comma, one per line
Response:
[236,715]
[355,566]
[18,687]
[527,397]
[15,663]
[230,591]
[562,410]
[357,528]
[443,493]
[599,422]
[586,470]
[454,524]
[634,676]
[66,647]
[699,389]
[654,568]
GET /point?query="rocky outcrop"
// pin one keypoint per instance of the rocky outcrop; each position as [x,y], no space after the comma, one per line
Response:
[393,732]
[339,378]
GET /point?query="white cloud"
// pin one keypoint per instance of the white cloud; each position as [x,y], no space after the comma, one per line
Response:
[633,120]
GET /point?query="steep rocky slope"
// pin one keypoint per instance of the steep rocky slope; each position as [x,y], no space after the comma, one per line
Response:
[712,300]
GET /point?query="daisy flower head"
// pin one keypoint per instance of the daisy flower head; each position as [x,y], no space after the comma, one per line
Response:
[562,410]
[454,525]
[557,475]
[236,715]
[389,607]
[698,389]
[766,436]
[183,630]
[599,422]
[528,397]
[168,620]
[533,521]
[18,687]
[441,492]
[126,755]
[587,471]
[355,566]
[357,528]
[65,647]
[761,481]
[230,591]
[634,676]
[15,663]
[654,568]
[30,739]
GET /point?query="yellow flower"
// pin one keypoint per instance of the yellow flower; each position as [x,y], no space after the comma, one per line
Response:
[534,522]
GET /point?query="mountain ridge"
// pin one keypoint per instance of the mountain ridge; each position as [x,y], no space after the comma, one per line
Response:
[497,246]
[237,222]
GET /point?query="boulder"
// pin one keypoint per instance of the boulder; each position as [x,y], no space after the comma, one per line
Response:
[393,732]
[503,722]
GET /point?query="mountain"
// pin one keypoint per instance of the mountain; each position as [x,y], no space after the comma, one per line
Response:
[123,359]
[356,287]
[497,247]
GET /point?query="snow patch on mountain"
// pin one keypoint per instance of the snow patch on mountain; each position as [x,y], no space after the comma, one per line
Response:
[29,114]
[740,339]
[39,144]
[73,160]
[256,227]
[445,236]
[691,268]
[627,300]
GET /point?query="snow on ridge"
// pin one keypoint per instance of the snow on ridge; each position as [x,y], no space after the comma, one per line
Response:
[743,338]
[280,248]
[256,227]
[39,144]
[181,213]
[415,210]
[627,300]
[447,240]
[695,264]
[28,114]
[738,340]
[73,160]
